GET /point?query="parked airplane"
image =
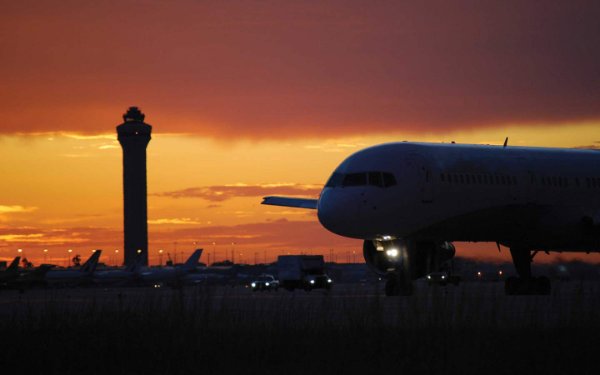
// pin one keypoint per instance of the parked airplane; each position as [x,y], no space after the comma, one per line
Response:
[170,275]
[30,278]
[11,272]
[409,201]
[74,277]
[116,277]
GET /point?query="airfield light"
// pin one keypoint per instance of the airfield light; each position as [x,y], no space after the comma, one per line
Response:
[392,253]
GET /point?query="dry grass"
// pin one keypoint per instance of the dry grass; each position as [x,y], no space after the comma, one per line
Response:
[471,329]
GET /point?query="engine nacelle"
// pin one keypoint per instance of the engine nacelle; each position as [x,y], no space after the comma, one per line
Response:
[417,259]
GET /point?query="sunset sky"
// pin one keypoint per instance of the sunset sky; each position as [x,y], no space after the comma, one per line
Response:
[252,98]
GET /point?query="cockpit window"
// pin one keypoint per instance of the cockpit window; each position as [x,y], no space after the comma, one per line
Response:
[375,179]
[378,179]
[388,179]
[355,179]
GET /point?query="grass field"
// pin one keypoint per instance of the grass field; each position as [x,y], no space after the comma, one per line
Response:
[470,329]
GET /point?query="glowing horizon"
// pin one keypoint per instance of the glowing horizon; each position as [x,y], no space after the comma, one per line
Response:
[251,99]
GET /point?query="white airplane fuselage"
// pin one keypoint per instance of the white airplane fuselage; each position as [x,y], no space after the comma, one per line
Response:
[539,198]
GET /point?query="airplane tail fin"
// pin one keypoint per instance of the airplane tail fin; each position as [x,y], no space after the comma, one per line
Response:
[192,261]
[90,265]
[14,265]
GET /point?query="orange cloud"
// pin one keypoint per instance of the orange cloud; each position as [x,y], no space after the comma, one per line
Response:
[225,192]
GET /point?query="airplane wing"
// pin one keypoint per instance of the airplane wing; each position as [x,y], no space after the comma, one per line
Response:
[291,202]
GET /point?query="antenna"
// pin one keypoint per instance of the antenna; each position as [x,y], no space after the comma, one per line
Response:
[505,142]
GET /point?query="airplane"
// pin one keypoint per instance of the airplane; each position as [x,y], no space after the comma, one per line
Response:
[170,275]
[11,272]
[30,278]
[74,277]
[409,202]
[118,277]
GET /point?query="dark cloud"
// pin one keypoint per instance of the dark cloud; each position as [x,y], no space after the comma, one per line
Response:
[286,69]
[225,192]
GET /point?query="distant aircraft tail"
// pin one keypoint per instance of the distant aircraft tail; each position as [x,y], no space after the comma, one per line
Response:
[14,265]
[90,265]
[192,261]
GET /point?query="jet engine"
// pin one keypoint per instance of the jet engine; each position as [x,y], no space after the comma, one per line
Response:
[414,258]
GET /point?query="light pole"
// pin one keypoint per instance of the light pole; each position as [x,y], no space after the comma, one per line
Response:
[214,252]
[160,253]
[116,257]
[45,254]
[69,256]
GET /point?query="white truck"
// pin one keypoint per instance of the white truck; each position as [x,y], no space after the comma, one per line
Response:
[303,272]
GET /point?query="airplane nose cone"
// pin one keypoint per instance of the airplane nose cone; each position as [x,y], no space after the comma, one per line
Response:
[335,213]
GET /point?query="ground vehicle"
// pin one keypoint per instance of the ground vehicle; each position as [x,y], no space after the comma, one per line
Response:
[303,271]
[265,282]
[442,278]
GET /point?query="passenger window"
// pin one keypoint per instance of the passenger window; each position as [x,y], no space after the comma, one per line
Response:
[355,179]
[335,180]
[388,179]
[375,179]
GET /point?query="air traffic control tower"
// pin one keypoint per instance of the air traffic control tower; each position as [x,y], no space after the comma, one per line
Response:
[134,136]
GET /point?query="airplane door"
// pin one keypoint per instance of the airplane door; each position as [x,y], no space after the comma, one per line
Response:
[519,181]
[419,168]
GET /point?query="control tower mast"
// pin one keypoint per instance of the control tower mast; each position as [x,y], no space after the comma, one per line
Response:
[134,136]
